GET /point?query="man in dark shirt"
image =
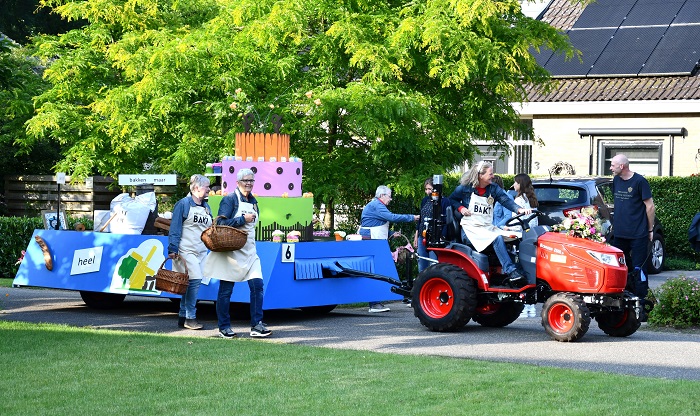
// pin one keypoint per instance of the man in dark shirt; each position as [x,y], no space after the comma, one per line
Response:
[633,223]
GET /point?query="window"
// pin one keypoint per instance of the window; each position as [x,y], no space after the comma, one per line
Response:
[644,156]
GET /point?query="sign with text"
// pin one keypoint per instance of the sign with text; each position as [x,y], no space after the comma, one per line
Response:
[288,253]
[86,260]
[147,179]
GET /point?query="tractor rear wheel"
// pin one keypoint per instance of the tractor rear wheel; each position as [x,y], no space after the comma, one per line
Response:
[444,297]
[619,324]
[497,315]
[565,317]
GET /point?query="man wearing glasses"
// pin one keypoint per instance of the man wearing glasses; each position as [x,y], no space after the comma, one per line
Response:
[241,211]
[374,225]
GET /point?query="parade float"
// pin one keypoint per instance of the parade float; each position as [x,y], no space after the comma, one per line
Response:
[300,271]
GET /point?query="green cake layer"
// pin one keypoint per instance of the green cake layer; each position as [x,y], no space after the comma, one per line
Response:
[277,213]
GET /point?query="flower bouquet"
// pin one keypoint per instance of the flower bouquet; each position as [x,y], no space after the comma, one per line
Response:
[582,224]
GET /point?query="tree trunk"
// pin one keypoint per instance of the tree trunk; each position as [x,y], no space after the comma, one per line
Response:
[329,217]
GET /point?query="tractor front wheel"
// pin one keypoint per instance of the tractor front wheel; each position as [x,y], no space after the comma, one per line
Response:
[444,297]
[619,324]
[565,317]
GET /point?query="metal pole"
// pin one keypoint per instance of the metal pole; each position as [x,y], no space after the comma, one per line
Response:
[670,167]
[58,207]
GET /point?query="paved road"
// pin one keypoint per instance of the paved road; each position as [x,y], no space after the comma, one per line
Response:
[670,355]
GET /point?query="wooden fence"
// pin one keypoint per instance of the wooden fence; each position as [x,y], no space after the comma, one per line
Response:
[27,195]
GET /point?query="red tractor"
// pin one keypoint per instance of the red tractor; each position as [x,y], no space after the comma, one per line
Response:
[576,280]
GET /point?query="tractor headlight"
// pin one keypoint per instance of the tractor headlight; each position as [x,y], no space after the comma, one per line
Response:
[605,258]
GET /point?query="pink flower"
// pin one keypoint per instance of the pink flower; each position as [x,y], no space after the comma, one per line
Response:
[317,101]
[233,106]
[309,93]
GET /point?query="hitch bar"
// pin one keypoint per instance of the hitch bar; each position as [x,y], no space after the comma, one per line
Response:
[336,269]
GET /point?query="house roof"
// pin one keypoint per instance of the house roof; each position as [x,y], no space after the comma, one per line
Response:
[563,15]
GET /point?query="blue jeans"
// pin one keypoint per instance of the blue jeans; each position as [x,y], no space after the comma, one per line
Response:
[636,255]
[499,246]
[223,302]
[188,302]
[423,252]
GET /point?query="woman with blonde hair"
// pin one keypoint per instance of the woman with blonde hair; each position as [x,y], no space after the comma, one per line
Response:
[474,198]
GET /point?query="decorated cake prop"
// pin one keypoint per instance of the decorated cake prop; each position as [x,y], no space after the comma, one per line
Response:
[277,236]
[293,236]
[267,155]
[283,206]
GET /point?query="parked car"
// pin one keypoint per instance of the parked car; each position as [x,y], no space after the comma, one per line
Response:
[559,196]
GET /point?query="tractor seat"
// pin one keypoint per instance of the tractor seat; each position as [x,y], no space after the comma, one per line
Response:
[481,260]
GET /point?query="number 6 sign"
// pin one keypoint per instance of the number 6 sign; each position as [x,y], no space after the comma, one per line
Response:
[288,253]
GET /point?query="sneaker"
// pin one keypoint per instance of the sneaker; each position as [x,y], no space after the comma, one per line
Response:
[181,321]
[409,304]
[378,307]
[260,330]
[531,311]
[516,279]
[227,333]
[193,324]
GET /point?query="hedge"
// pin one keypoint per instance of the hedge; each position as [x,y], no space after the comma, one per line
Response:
[16,234]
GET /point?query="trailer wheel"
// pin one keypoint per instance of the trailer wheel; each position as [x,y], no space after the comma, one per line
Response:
[99,300]
[619,324]
[565,317]
[318,310]
[444,297]
[497,315]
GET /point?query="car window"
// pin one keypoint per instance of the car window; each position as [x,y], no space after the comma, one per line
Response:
[605,191]
[560,195]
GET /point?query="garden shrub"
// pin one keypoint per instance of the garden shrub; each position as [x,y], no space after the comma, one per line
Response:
[677,303]
[16,234]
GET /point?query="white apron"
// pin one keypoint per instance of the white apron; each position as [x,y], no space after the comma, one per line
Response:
[192,249]
[379,232]
[479,226]
[240,265]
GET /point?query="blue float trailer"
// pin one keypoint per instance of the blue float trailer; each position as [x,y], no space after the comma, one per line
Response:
[106,267]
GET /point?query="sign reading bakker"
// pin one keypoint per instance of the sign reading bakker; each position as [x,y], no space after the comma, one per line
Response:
[125,180]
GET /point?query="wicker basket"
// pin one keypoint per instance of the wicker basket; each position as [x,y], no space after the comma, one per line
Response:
[223,237]
[172,281]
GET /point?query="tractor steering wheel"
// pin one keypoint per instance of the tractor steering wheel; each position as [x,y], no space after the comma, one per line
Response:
[523,222]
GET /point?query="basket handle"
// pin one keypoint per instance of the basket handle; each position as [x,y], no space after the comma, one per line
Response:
[187,272]
[213,224]
[404,237]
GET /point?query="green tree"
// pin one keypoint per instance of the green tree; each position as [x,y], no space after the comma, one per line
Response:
[373,92]
[20,81]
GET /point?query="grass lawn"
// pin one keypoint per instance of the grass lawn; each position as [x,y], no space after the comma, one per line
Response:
[61,370]
[6,282]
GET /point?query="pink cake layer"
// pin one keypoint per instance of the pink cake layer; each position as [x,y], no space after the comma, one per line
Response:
[271,178]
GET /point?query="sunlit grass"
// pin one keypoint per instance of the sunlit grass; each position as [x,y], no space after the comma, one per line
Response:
[61,370]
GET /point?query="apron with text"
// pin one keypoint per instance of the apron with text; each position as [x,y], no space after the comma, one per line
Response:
[239,265]
[479,226]
[192,249]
